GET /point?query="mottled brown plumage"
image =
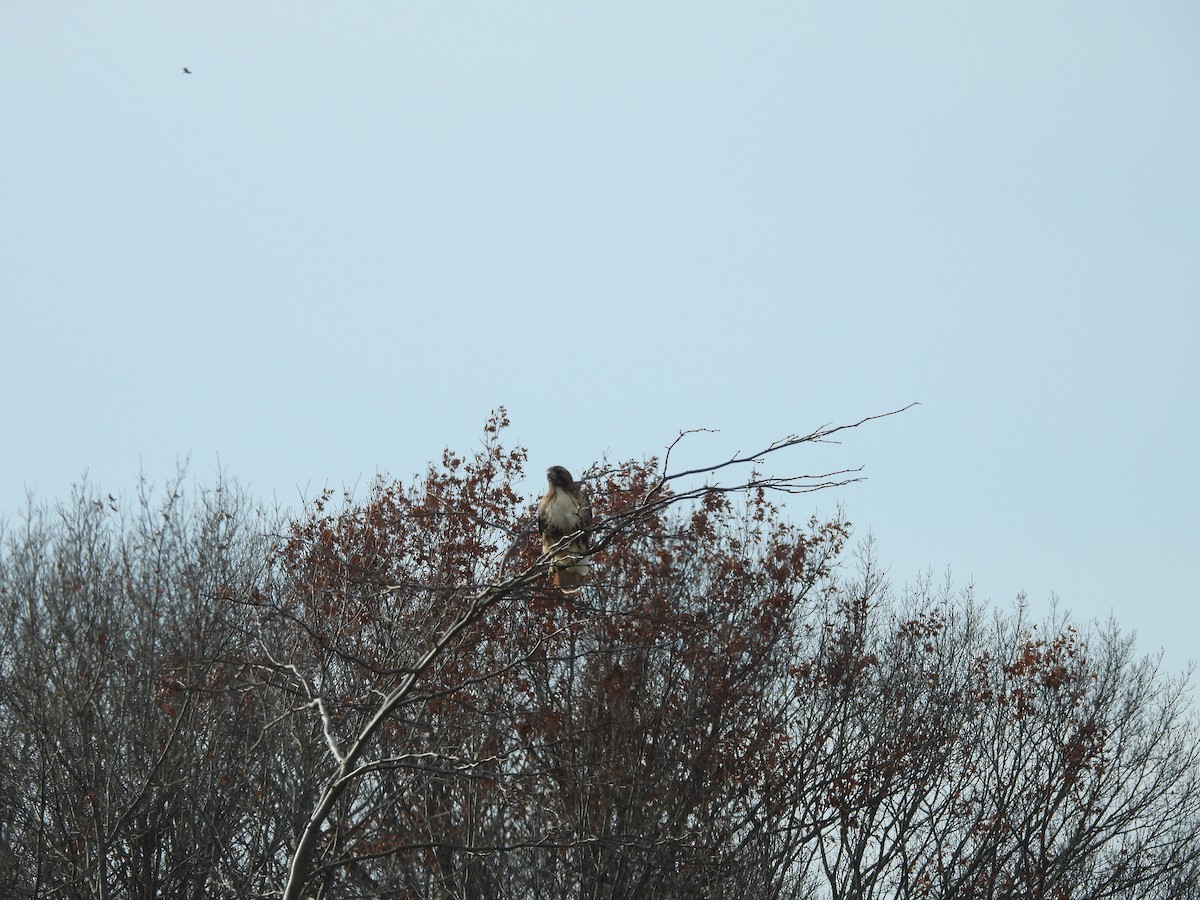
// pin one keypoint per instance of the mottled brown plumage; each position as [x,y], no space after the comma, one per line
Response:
[562,512]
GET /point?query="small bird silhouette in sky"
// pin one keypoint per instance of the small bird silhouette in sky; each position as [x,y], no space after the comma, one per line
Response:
[187,71]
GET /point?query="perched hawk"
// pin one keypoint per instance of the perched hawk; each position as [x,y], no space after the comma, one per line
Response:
[563,512]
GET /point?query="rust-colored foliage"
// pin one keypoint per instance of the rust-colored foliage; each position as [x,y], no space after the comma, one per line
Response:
[629,720]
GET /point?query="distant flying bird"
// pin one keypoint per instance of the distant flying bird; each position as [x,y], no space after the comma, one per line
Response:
[187,71]
[562,512]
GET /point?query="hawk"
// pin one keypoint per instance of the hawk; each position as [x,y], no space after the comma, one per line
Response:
[563,512]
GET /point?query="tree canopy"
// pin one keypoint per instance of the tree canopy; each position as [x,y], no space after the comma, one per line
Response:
[386,697]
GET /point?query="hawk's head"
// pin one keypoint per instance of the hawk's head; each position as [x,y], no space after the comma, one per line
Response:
[559,477]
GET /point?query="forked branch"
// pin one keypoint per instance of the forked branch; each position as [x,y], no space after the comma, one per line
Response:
[349,765]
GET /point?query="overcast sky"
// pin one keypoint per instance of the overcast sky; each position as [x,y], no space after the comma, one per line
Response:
[356,228]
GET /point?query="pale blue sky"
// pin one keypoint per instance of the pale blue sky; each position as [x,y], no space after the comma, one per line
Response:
[357,227]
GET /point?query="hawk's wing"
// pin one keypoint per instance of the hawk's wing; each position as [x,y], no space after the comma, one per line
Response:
[545,521]
[585,517]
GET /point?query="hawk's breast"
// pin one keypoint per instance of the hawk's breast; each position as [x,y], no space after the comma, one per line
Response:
[562,513]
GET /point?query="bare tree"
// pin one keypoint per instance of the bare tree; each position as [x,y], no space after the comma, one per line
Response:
[126,725]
